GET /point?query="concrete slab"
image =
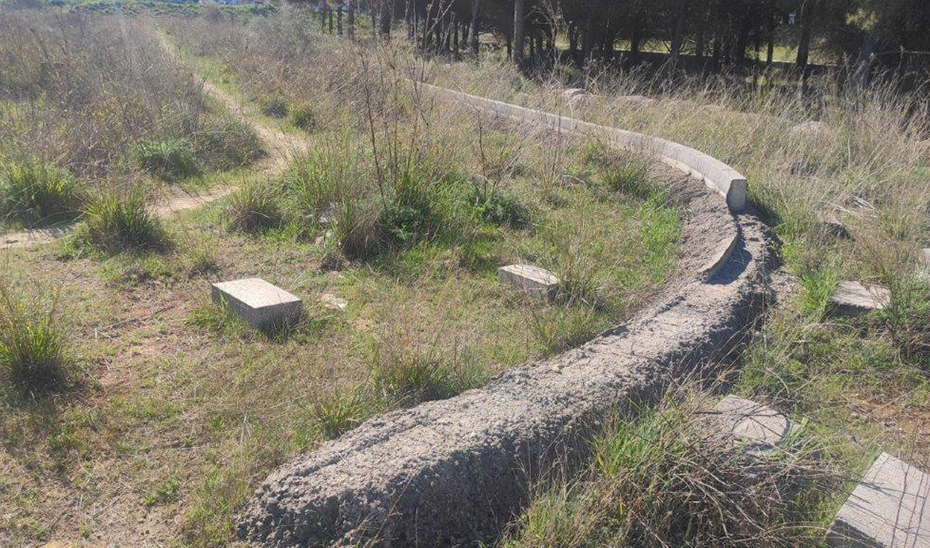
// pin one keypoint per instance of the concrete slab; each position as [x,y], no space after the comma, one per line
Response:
[531,279]
[888,509]
[749,422]
[333,302]
[259,303]
[853,299]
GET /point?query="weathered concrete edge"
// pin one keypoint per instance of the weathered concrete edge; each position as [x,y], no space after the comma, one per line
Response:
[720,177]
[350,486]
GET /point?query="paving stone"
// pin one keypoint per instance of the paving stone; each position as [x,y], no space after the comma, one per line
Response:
[333,302]
[259,303]
[853,298]
[890,508]
[531,279]
[749,422]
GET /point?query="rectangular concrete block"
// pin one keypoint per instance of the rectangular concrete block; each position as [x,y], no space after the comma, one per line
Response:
[259,303]
[746,421]
[888,509]
[531,279]
[853,298]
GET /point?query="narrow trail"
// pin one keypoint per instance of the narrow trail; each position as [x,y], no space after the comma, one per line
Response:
[280,149]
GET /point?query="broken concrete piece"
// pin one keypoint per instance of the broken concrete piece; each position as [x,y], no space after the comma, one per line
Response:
[531,279]
[746,421]
[333,302]
[853,298]
[259,303]
[890,508]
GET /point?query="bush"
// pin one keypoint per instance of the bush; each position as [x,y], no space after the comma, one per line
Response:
[254,208]
[169,160]
[304,118]
[416,212]
[34,192]
[33,356]
[497,208]
[274,106]
[118,222]
[227,143]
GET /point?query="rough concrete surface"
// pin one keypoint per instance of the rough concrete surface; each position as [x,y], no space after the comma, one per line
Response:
[454,472]
[747,421]
[890,508]
[530,279]
[853,298]
[259,303]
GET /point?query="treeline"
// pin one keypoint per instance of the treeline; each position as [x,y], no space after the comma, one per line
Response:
[716,33]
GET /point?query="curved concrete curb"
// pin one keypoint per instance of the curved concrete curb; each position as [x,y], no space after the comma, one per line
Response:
[456,471]
[718,176]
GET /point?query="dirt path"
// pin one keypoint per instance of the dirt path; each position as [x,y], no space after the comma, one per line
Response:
[280,148]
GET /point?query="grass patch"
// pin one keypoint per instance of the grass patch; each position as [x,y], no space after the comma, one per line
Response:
[254,208]
[34,358]
[117,222]
[168,159]
[38,193]
[304,118]
[274,106]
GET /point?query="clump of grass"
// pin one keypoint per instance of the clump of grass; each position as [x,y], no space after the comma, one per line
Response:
[203,260]
[168,159]
[497,208]
[418,210]
[33,348]
[629,176]
[405,374]
[668,478]
[337,412]
[274,106]
[117,222]
[254,208]
[304,118]
[560,327]
[36,192]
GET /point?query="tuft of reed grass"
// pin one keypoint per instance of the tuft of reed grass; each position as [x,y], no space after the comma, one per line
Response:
[122,221]
[304,118]
[274,106]
[34,356]
[168,159]
[254,208]
[39,193]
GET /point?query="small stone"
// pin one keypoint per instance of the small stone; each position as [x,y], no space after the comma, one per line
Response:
[571,94]
[890,508]
[747,421]
[333,302]
[853,299]
[531,279]
[259,303]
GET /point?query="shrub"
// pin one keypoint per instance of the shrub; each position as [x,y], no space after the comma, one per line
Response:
[416,212]
[304,118]
[34,192]
[227,143]
[254,208]
[497,208]
[274,106]
[33,354]
[118,222]
[169,160]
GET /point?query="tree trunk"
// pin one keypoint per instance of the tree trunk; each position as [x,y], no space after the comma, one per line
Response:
[350,18]
[339,20]
[678,37]
[331,17]
[770,51]
[518,37]
[804,40]
[475,22]
[324,7]
[384,21]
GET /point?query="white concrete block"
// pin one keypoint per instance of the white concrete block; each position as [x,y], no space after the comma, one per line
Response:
[888,509]
[333,302]
[531,279]
[761,427]
[853,298]
[259,303]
